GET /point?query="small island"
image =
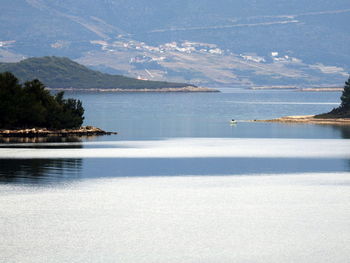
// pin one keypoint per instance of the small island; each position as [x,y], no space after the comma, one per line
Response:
[337,116]
[29,110]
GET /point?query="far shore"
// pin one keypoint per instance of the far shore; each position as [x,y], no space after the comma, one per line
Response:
[42,132]
[309,119]
[182,89]
[297,88]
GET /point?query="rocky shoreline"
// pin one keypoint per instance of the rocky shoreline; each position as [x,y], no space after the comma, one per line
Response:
[309,119]
[42,132]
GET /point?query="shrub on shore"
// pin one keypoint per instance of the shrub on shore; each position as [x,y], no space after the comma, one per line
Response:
[30,105]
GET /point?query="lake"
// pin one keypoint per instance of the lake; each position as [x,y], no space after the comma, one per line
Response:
[180,184]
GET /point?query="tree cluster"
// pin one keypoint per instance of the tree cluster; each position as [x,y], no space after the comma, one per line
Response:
[31,105]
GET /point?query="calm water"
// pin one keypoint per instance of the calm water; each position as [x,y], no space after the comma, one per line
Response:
[162,117]
[155,116]
[180,184]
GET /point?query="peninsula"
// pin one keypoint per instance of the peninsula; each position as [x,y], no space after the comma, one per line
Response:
[309,119]
[337,116]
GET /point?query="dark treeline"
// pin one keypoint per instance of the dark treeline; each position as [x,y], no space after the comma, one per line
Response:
[343,111]
[30,105]
[345,98]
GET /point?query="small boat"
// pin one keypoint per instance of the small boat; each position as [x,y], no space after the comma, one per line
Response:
[233,122]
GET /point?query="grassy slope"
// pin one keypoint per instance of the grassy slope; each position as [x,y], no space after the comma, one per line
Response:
[57,72]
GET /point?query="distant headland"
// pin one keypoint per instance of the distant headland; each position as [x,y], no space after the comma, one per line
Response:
[60,73]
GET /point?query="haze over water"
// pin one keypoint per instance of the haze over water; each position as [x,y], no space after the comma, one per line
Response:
[180,184]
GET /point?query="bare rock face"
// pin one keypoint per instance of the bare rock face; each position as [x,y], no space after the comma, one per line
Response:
[43,132]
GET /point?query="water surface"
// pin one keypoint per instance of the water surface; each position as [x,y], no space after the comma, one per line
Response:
[180,184]
[265,218]
[189,121]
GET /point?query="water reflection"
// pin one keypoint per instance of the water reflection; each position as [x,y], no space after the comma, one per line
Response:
[344,131]
[49,139]
[44,171]
[41,171]
[33,171]
[50,142]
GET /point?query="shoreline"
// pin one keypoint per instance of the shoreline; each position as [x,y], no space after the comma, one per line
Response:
[43,132]
[299,88]
[182,89]
[309,119]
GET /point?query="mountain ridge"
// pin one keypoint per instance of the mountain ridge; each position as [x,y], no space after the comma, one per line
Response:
[314,33]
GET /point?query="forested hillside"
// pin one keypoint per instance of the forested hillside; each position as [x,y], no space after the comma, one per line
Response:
[58,72]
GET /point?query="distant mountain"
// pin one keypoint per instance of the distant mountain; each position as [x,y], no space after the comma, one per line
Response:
[223,42]
[56,72]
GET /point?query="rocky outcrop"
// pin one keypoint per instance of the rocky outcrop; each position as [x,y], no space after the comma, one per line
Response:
[42,132]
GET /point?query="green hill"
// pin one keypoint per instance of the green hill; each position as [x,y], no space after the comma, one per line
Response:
[58,72]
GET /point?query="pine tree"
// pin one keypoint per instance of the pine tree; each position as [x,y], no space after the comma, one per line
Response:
[345,98]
